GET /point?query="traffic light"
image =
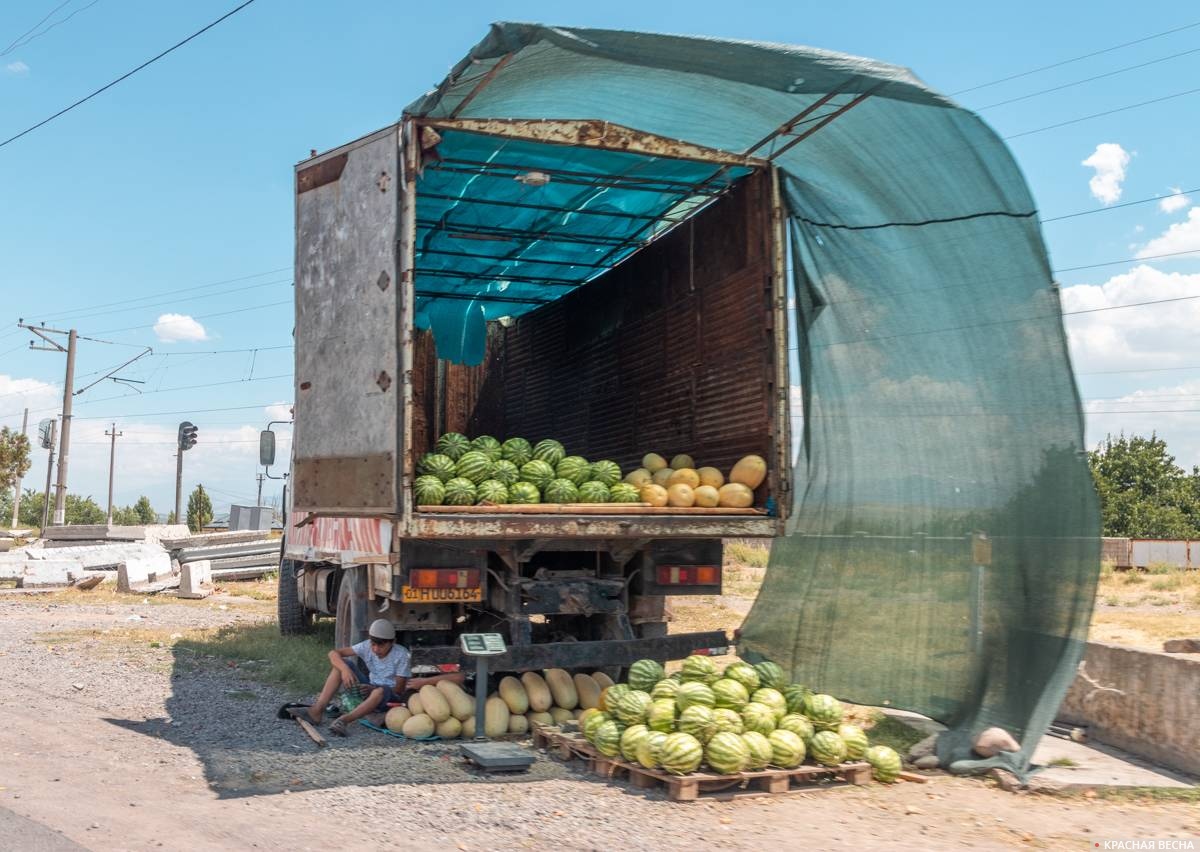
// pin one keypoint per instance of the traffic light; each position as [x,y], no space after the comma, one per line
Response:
[187,435]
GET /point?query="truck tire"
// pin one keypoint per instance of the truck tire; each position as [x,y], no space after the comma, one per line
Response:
[294,619]
[350,624]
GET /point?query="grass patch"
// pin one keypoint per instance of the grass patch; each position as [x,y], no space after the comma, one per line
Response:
[890,731]
[263,589]
[1161,568]
[1167,584]
[1132,577]
[1134,795]
[752,555]
[1112,600]
[1062,761]
[299,663]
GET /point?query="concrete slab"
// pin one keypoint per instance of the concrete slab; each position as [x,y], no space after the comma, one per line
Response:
[195,580]
[1096,765]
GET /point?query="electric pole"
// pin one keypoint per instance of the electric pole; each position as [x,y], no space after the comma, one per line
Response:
[112,456]
[49,428]
[17,484]
[60,491]
[260,479]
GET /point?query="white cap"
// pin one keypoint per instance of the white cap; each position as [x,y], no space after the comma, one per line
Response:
[381,628]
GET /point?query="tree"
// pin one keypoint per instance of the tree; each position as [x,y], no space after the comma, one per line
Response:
[145,512]
[14,458]
[125,516]
[1143,493]
[83,510]
[199,509]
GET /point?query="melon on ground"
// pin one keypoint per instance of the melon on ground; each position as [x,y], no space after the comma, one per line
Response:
[419,726]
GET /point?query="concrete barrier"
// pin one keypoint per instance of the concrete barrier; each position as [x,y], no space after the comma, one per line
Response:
[1143,702]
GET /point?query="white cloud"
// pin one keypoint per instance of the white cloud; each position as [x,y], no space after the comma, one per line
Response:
[1174,202]
[1181,236]
[279,411]
[1142,412]
[1109,160]
[173,328]
[17,67]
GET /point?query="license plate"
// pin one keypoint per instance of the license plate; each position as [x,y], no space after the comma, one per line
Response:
[471,595]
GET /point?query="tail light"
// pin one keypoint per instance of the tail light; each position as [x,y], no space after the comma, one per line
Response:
[689,575]
[444,578]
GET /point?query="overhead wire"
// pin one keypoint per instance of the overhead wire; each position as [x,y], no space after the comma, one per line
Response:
[22,41]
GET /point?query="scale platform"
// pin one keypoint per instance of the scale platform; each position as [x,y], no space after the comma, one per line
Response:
[498,757]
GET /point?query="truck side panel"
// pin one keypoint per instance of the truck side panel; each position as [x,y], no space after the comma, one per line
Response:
[347,376]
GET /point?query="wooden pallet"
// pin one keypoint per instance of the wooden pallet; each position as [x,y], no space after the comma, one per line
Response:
[689,788]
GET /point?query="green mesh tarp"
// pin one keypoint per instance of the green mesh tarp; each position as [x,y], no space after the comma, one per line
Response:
[943,540]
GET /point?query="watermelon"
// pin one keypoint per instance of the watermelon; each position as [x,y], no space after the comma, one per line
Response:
[681,753]
[645,674]
[506,472]
[612,694]
[761,752]
[631,737]
[475,466]
[594,492]
[631,707]
[692,693]
[592,723]
[538,473]
[574,468]
[730,694]
[549,451]
[524,493]
[798,725]
[885,763]
[698,721]
[660,715]
[492,491]
[744,674]
[429,491]
[727,753]
[787,749]
[665,688]
[516,450]
[825,712]
[561,491]
[771,675]
[607,738]
[606,472]
[459,492]
[623,492]
[725,719]
[827,748]
[699,667]
[758,717]
[796,695]
[773,698]
[650,748]
[436,464]
[487,445]
[855,740]
[453,444]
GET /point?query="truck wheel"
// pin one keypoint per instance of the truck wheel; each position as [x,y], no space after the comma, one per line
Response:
[350,626]
[294,619]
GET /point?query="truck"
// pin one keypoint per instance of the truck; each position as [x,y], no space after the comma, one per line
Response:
[621,292]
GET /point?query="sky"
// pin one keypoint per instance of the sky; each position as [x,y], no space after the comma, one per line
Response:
[159,214]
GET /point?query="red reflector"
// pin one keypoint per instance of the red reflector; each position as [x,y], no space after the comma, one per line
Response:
[444,578]
[689,575]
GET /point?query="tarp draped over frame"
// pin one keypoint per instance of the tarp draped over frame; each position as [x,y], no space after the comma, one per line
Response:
[943,546]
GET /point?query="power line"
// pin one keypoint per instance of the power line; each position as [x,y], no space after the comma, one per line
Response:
[1118,206]
[202,316]
[1101,114]
[13,44]
[1128,260]
[126,75]
[37,35]
[1143,370]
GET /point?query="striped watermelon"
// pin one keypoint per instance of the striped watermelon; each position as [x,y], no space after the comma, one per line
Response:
[524,493]
[623,492]
[631,707]
[693,693]
[681,753]
[699,667]
[787,749]
[798,725]
[744,674]
[771,675]
[487,445]
[650,748]
[825,712]
[698,721]
[549,451]
[475,466]
[660,715]
[574,468]
[608,738]
[727,753]
[491,491]
[538,473]
[827,748]
[855,740]
[609,696]
[506,472]
[773,698]
[436,464]
[645,675]
[453,444]
[516,450]
[631,738]
[665,688]
[729,693]
[607,472]
[561,491]
[758,717]
[459,492]
[725,719]
[594,492]
[796,696]
[592,723]
[761,752]
[429,491]
[885,763]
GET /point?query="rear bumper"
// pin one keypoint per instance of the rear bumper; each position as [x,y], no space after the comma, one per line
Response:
[575,655]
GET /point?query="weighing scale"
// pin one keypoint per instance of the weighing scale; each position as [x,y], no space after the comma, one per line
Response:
[489,756]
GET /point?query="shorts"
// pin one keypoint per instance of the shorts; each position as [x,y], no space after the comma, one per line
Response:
[362,690]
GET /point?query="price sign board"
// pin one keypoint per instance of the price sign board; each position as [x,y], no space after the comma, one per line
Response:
[482,644]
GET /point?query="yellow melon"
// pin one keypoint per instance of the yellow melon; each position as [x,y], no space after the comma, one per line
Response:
[707,496]
[396,717]
[681,461]
[681,494]
[750,471]
[653,494]
[662,476]
[653,462]
[638,478]
[711,476]
[688,476]
[735,495]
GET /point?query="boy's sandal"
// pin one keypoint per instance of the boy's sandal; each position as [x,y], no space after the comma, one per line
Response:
[338,727]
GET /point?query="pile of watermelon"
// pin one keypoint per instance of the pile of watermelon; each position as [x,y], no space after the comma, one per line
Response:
[745,718]
[466,472]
